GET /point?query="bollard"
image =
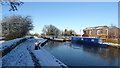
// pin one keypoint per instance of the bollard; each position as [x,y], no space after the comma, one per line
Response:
[36,46]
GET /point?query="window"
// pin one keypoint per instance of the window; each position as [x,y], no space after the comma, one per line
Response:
[81,38]
[92,40]
[106,31]
[90,33]
[98,32]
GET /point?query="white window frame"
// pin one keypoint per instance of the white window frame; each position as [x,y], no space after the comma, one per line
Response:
[98,32]
[90,32]
[107,31]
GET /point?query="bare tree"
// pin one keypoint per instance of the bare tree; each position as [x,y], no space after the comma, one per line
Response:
[36,34]
[14,4]
[114,32]
[16,26]
[51,30]
[69,32]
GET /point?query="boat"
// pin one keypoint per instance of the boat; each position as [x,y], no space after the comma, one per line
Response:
[89,41]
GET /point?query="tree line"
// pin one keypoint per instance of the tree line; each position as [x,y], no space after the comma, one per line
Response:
[19,26]
[52,30]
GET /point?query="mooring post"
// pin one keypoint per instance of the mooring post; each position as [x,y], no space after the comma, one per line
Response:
[36,46]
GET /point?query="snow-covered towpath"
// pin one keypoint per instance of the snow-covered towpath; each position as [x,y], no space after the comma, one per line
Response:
[19,56]
[25,55]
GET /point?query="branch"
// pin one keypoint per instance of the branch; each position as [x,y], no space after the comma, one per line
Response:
[14,5]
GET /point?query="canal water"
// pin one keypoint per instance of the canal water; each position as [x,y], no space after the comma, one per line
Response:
[73,54]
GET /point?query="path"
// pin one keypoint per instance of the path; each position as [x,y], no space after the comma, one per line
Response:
[25,55]
[20,56]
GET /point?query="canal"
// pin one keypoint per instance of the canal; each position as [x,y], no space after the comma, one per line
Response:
[73,54]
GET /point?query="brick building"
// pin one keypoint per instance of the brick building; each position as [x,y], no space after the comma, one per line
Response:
[102,32]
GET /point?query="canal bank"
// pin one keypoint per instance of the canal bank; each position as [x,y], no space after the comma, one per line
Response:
[60,54]
[25,54]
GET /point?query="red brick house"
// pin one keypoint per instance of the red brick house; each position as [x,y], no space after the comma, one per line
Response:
[102,32]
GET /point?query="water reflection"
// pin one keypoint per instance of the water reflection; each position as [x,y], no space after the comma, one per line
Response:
[111,54]
[53,44]
[73,53]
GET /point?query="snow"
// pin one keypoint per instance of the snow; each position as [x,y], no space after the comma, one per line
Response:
[21,56]
[57,39]
[4,45]
[1,38]
[99,28]
[113,44]
[1,44]
[47,58]
[42,41]
[2,41]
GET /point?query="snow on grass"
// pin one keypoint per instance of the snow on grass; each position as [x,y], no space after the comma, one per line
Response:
[19,56]
[7,44]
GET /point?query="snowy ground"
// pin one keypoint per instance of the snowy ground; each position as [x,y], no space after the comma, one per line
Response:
[47,58]
[1,44]
[57,39]
[25,55]
[2,41]
[19,55]
[4,45]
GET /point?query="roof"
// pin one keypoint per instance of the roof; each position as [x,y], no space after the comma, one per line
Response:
[98,27]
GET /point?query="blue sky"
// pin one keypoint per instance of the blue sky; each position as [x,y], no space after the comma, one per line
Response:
[68,15]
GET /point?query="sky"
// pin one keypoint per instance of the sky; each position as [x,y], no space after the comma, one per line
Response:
[67,15]
[70,0]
